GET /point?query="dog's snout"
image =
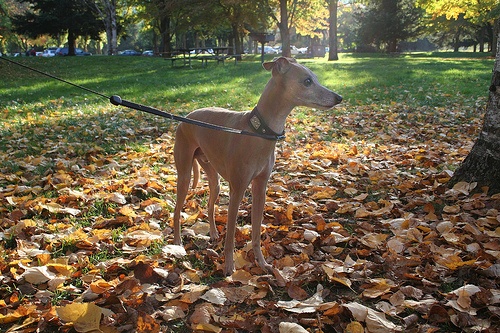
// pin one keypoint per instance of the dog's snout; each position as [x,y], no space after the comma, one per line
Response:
[339,98]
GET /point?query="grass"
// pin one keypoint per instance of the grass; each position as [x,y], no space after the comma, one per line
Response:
[44,119]
[32,103]
[153,81]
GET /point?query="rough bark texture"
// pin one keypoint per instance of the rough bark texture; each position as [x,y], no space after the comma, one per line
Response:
[284,30]
[333,8]
[482,165]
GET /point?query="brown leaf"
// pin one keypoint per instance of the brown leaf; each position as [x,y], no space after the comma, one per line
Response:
[296,292]
[146,274]
[147,324]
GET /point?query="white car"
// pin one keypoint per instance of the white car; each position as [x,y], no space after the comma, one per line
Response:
[294,50]
[267,50]
[50,52]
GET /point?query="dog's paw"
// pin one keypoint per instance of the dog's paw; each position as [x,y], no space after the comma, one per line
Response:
[177,241]
[214,236]
[228,269]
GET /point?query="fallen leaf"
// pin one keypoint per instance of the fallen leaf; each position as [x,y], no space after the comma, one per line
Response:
[375,321]
[85,317]
[286,327]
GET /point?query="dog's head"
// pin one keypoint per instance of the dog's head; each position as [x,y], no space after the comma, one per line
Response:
[301,85]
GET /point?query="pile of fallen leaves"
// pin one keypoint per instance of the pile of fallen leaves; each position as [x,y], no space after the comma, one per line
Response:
[360,225]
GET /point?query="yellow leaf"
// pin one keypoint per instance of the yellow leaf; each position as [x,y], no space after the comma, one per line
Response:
[85,317]
[127,211]
[207,328]
[453,262]
[326,193]
[63,269]
[354,327]
[15,315]
[336,277]
[100,286]
[377,287]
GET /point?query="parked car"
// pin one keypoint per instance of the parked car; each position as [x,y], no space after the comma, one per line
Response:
[129,53]
[202,51]
[268,49]
[295,50]
[63,51]
[148,53]
[50,52]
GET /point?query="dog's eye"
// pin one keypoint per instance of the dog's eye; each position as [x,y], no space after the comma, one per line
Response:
[308,82]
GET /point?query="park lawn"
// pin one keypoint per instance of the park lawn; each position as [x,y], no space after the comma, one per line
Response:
[358,211]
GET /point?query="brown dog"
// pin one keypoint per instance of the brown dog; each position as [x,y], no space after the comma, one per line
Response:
[242,159]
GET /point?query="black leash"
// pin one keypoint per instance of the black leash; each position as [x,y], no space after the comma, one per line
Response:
[117,100]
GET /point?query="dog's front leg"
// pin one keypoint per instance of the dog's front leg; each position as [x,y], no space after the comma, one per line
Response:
[259,186]
[235,196]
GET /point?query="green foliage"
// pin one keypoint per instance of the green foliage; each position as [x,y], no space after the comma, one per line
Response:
[53,17]
[383,24]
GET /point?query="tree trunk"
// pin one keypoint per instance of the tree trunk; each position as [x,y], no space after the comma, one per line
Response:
[496,32]
[107,12]
[482,33]
[332,38]
[113,27]
[166,47]
[392,46]
[71,42]
[233,39]
[456,40]
[482,165]
[284,30]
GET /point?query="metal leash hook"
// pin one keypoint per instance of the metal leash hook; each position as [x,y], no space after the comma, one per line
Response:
[118,101]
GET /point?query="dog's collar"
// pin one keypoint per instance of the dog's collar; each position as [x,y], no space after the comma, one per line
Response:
[258,124]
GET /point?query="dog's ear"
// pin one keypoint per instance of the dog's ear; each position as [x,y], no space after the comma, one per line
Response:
[282,64]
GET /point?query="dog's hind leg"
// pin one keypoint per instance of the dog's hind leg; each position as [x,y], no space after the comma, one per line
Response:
[184,158]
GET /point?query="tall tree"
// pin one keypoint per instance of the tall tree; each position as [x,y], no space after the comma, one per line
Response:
[54,17]
[332,32]
[482,165]
[286,50]
[239,13]
[163,16]
[5,25]
[384,23]
[480,13]
[107,13]
[285,13]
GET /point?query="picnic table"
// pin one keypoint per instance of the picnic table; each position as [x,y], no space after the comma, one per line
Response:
[204,54]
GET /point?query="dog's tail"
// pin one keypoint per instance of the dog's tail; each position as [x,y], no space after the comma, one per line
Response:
[196,173]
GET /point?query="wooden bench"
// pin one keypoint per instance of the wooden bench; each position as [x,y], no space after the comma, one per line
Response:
[173,60]
[236,57]
[219,58]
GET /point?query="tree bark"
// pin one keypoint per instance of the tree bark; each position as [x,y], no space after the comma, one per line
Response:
[165,33]
[482,165]
[496,32]
[71,42]
[107,11]
[112,34]
[332,30]
[456,40]
[284,30]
